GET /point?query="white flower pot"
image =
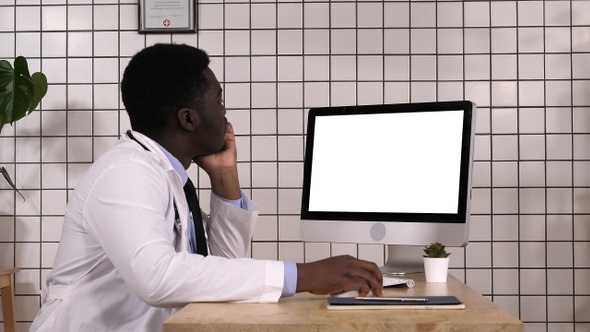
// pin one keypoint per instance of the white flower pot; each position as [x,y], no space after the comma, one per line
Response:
[436,269]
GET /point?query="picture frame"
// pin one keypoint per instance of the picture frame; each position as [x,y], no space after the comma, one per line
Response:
[169,16]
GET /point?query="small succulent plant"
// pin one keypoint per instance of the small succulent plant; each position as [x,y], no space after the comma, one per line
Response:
[436,250]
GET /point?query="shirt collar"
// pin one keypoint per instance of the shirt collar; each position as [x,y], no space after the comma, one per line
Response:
[175,164]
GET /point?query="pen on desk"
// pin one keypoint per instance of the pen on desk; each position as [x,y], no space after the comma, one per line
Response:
[400,299]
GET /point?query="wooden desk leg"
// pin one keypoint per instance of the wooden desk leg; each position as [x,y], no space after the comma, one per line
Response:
[7,294]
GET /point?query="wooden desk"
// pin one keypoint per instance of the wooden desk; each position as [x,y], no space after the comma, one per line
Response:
[307,312]
[7,294]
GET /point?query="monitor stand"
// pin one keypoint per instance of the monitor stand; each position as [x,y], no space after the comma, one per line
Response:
[402,259]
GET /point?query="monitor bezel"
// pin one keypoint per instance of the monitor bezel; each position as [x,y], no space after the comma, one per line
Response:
[468,109]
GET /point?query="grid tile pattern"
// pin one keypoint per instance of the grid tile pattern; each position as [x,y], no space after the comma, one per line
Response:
[525,63]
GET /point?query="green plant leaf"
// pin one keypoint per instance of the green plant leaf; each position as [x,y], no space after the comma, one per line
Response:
[39,91]
[6,92]
[19,92]
[24,89]
[9,180]
[5,74]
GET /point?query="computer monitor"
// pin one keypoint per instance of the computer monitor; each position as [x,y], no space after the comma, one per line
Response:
[397,174]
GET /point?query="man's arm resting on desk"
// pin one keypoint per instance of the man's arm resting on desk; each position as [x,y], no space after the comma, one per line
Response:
[329,276]
[290,274]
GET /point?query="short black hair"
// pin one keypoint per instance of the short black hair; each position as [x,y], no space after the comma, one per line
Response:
[161,79]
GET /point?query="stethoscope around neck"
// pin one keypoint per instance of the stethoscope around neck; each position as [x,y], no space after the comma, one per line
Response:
[130,135]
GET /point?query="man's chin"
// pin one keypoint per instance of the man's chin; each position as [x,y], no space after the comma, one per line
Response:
[221,147]
[213,151]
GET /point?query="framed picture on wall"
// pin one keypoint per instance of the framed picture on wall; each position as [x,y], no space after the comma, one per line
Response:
[167,16]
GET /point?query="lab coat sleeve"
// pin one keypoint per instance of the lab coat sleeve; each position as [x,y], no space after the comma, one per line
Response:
[230,227]
[128,211]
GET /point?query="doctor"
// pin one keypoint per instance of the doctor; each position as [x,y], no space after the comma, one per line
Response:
[130,253]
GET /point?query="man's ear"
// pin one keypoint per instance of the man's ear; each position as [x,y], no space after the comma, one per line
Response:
[188,118]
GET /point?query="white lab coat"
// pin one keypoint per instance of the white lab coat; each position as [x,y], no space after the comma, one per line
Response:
[121,266]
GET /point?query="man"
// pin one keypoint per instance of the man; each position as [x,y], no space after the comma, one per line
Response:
[131,253]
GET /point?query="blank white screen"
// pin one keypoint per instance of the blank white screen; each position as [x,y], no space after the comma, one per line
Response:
[393,162]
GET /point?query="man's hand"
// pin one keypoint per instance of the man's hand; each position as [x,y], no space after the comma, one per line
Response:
[339,274]
[222,167]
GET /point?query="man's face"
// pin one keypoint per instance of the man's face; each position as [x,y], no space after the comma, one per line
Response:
[211,134]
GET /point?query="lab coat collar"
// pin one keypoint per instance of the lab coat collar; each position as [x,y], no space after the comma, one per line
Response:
[174,162]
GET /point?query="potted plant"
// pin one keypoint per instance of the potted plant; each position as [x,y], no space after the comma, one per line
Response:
[20,93]
[436,262]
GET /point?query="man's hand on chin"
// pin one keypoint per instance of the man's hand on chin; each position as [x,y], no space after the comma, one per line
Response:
[222,167]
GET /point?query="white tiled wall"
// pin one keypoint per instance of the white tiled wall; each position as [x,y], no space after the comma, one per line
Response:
[525,63]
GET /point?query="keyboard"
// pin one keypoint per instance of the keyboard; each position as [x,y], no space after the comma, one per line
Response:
[395,281]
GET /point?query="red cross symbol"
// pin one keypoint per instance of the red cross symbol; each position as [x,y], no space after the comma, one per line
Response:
[166,22]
